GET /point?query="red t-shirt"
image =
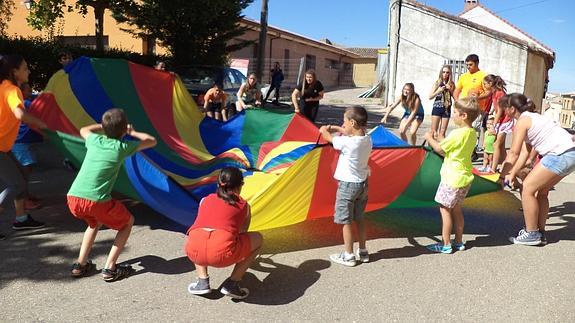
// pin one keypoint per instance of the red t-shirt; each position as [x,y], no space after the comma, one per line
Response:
[215,213]
[496,96]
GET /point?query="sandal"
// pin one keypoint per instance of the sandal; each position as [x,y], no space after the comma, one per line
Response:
[121,271]
[81,271]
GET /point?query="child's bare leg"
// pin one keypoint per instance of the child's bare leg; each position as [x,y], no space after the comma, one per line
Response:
[447,224]
[459,222]
[224,114]
[87,243]
[485,159]
[443,131]
[413,131]
[119,243]
[218,116]
[403,129]
[435,120]
[241,267]
[347,230]
[202,271]
[19,207]
[498,150]
[360,234]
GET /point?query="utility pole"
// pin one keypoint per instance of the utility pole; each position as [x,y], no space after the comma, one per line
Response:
[262,42]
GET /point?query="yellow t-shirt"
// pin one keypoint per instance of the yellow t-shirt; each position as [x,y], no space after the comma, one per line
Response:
[470,83]
[10,99]
[458,147]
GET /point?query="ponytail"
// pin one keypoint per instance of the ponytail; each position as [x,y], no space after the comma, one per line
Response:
[230,179]
[521,103]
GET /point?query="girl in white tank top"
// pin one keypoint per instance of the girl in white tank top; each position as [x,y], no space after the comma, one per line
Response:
[534,131]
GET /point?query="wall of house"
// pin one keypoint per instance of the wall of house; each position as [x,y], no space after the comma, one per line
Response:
[75,24]
[364,72]
[483,17]
[421,54]
[331,68]
[535,75]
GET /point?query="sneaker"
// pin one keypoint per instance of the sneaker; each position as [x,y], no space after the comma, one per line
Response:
[543,238]
[234,290]
[458,246]
[339,258]
[30,223]
[440,248]
[363,256]
[528,238]
[200,286]
[2,237]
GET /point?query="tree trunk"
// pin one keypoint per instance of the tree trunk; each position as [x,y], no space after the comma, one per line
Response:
[99,15]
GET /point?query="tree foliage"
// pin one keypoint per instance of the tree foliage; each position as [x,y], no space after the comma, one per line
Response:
[194,32]
[6,7]
[44,13]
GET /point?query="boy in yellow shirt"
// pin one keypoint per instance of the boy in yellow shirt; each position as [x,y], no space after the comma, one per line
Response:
[456,175]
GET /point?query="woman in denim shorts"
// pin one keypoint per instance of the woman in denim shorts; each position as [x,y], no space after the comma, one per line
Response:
[557,149]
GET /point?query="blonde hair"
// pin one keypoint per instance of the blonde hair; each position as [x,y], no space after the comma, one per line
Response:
[469,106]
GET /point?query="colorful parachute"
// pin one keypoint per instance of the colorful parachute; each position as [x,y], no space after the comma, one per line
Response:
[288,171]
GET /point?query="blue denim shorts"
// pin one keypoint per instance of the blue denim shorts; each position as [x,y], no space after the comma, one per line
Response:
[350,202]
[561,165]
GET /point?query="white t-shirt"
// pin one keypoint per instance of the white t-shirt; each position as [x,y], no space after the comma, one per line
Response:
[354,155]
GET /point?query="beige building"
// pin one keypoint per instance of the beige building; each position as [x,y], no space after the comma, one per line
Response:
[335,66]
[567,118]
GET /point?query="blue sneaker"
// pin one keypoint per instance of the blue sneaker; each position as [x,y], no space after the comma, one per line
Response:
[458,246]
[438,247]
[528,238]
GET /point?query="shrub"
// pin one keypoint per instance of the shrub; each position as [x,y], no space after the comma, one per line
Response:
[42,56]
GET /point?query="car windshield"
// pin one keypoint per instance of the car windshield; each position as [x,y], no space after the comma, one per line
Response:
[200,79]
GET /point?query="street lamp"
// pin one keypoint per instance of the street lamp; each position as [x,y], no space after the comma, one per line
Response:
[28,3]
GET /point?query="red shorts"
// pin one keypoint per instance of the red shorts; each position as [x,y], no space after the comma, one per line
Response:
[217,248]
[112,213]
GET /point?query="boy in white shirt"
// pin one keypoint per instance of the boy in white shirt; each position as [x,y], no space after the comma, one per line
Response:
[351,173]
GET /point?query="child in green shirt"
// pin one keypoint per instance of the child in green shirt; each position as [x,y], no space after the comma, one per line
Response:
[90,197]
[488,141]
[456,175]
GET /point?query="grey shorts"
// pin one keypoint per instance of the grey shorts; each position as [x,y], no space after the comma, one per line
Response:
[350,202]
[449,196]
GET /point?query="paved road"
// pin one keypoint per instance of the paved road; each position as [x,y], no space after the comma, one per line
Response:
[293,280]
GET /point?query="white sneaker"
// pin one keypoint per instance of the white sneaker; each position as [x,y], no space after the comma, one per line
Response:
[339,258]
[363,256]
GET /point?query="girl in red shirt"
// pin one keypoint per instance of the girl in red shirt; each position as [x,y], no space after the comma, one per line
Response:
[219,237]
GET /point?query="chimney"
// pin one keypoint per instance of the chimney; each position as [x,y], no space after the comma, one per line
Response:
[470,4]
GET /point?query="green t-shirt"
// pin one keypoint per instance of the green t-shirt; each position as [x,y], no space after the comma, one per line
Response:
[458,147]
[488,143]
[100,168]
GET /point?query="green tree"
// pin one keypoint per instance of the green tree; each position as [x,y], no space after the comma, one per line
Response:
[45,13]
[6,7]
[194,32]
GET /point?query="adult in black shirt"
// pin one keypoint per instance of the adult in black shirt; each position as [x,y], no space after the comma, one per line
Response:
[312,93]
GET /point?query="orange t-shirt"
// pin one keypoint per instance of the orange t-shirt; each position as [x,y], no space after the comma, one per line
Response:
[10,99]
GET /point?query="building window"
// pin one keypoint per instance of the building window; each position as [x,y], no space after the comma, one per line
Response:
[458,68]
[286,63]
[331,64]
[309,62]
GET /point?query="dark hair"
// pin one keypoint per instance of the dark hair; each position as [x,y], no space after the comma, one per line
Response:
[521,102]
[496,81]
[248,83]
[312,73]
[358,114]
[114,123]
[229,180]
[469,106]
[503,101]
[64,54]
[472,58]
[9,63]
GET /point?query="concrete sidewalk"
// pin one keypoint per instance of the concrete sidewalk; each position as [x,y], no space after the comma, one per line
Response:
[293,279]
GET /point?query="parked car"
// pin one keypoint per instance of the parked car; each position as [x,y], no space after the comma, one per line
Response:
[199,79]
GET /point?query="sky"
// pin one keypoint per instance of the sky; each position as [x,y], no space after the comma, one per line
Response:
[366,25]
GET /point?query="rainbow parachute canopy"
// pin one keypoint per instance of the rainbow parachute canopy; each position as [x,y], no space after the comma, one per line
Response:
[288,174]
